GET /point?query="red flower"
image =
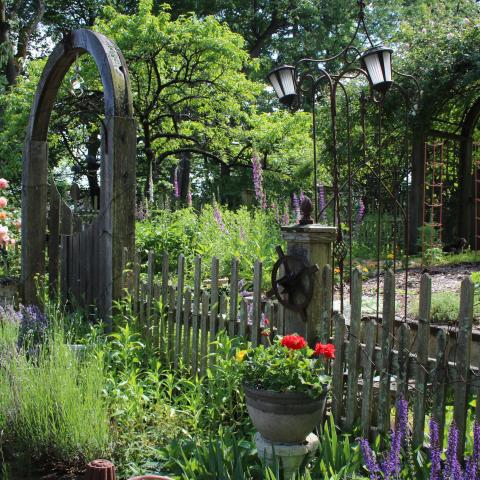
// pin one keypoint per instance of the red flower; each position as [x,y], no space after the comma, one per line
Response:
[293,342]
[327,350]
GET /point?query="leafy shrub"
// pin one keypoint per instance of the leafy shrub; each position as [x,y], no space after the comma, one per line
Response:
[214,232]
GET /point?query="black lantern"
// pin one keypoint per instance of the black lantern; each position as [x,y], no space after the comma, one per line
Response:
[283,82]
[378,63]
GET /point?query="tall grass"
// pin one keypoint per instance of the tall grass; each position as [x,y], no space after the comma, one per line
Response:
[51,402]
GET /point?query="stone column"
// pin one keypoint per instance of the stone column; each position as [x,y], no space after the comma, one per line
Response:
[313,243]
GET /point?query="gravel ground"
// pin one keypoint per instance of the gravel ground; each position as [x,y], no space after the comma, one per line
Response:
[445,278]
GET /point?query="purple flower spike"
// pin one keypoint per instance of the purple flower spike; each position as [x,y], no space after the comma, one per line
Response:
[258,179]
[452,466]
[360,213]
[176,186]
[321,202]
[369,458]
[217,214]
[435,469]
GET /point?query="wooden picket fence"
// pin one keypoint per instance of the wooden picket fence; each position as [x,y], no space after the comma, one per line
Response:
[378,361]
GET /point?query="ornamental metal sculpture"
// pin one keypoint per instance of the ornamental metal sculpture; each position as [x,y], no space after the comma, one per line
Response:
[312,80]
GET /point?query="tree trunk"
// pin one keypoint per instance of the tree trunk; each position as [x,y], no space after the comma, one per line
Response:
[183,178]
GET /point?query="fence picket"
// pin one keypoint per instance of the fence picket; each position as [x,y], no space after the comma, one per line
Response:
[243,318]
[388,317]
[233,310]
[179,308]
[464,345]
[214,307]
[337,370]
[187,314]
[196,312]
[257,303]
[150,275]
[157,318]
[439,384]
[170,322]
[369,328]
[222,313]
[423,334]
[204,334]
[327,299]
[165,271]
[352,350]
[402,361]
[136,281]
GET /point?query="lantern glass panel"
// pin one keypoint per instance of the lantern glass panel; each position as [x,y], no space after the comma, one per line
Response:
[272,78]
[287,81]
[374,68]
[387,65]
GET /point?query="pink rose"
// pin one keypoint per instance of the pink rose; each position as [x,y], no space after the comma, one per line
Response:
[3,184]
[3,232]
[3,202]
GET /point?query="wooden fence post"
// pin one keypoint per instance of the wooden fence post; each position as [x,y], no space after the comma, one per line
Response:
[423,335]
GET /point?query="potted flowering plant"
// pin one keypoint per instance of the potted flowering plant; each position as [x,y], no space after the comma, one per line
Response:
[286,386]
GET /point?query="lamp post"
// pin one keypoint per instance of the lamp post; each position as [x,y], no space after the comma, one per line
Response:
[312,79]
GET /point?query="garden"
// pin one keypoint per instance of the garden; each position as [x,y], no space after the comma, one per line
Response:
[239,240]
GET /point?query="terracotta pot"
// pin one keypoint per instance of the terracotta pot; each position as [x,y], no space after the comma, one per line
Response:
[150,477]
[100,470]
[284,417]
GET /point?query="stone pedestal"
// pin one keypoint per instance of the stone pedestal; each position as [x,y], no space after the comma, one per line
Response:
[290,456]
[313,243]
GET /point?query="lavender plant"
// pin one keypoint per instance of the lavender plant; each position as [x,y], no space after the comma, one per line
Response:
[33,327]
[390,466]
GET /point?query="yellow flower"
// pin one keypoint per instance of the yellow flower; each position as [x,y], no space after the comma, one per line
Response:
[365,269]
[390,256]
[337,270]
[240,356]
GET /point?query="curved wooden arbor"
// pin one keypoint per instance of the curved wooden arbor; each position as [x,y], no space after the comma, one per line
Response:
[91,255]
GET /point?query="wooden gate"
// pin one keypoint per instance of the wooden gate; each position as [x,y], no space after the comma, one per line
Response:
[86,258]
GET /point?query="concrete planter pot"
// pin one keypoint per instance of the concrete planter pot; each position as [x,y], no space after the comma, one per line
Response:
[284,417]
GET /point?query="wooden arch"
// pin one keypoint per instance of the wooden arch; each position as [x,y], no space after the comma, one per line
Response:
[114,228]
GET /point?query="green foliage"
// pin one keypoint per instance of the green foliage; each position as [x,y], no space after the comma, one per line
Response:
[337,455]
[445,307]
[246,235]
